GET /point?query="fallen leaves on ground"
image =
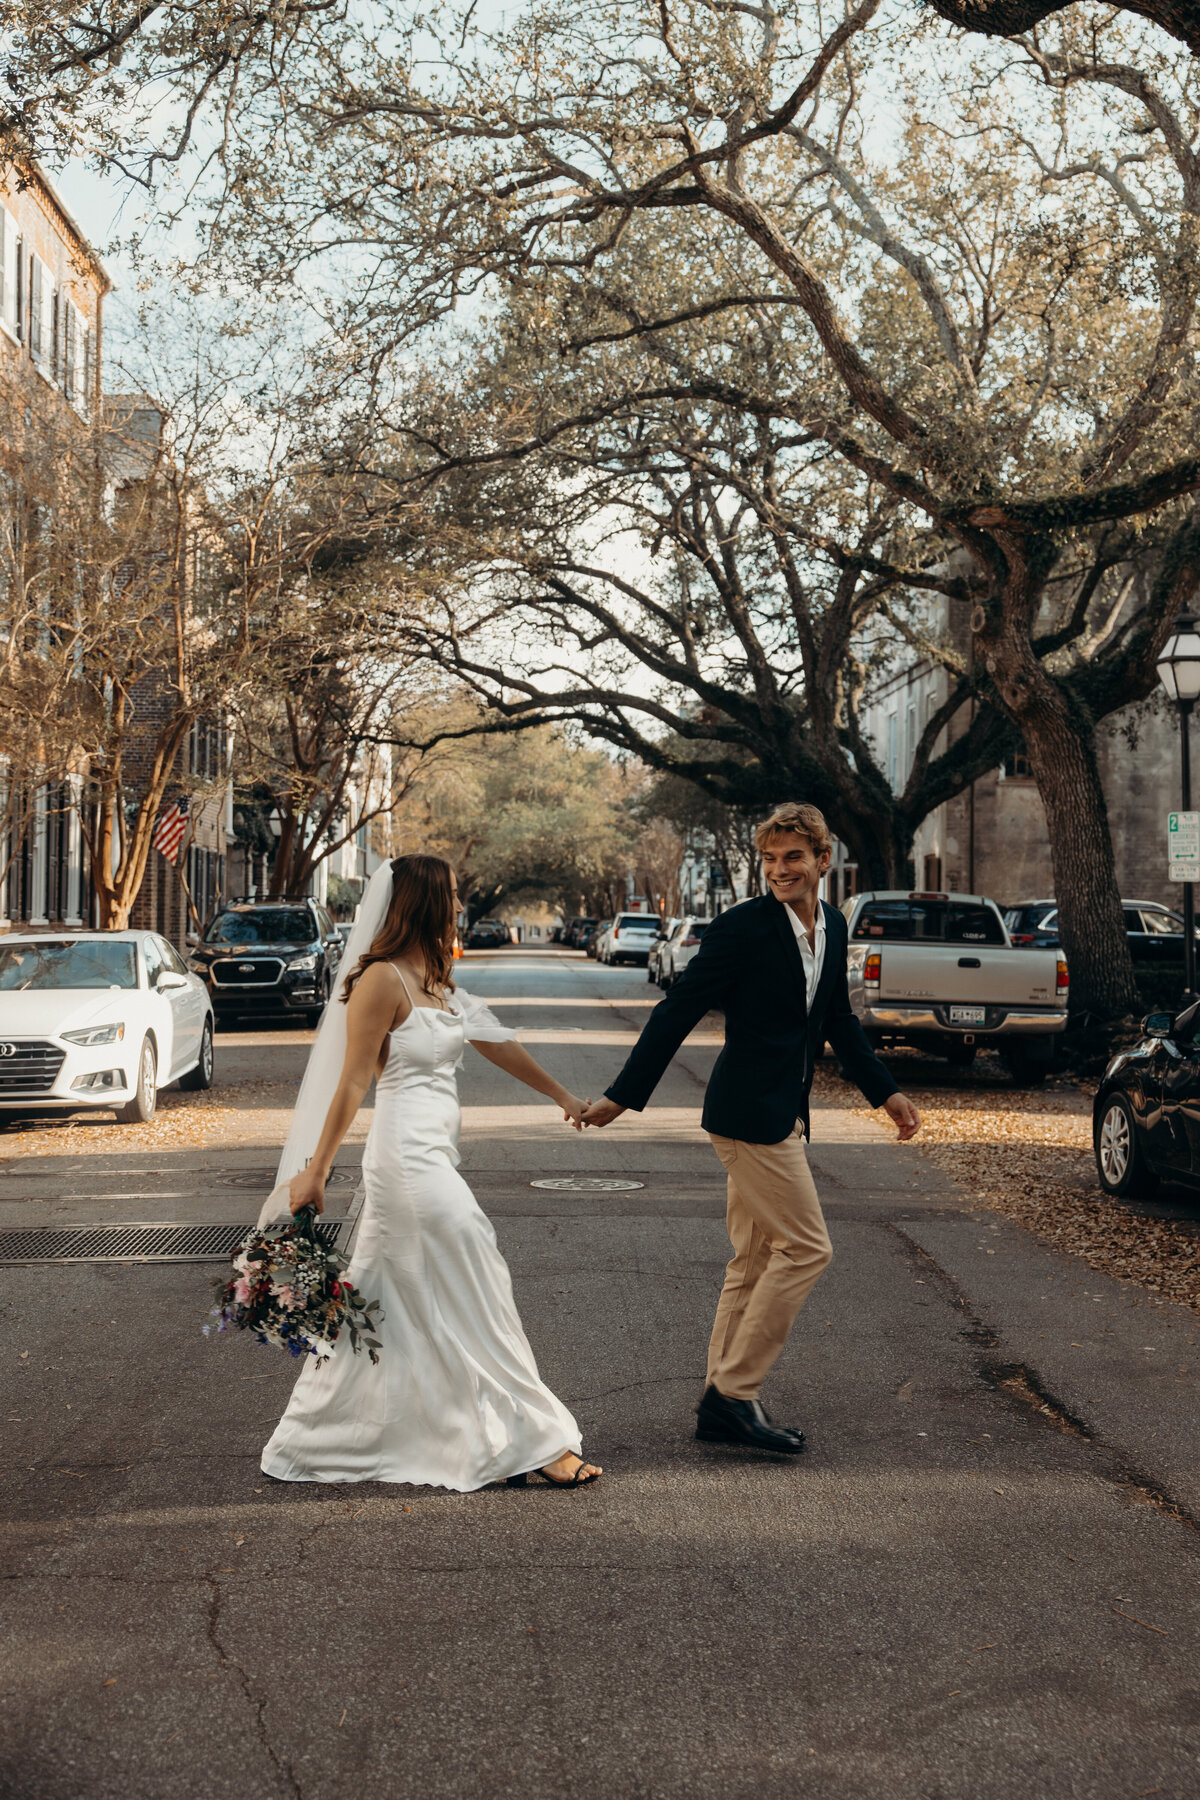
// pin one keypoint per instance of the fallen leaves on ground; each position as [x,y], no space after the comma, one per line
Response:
[1027,1154]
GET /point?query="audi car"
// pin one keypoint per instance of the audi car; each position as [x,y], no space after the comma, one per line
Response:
[262,959]
[99,1019]
[1146,1114]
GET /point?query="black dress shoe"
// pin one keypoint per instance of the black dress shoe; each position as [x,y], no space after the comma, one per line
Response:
[720,1420]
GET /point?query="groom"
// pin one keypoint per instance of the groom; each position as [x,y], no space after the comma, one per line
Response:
[776,967]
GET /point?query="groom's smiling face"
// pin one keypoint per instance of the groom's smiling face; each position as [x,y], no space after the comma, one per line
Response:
[792,869]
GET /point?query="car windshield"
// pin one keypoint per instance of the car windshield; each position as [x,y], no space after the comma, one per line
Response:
[939,921]
[1163,924]
[68,963]
[269,925]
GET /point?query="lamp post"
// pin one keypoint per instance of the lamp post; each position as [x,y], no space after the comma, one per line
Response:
[1179,672]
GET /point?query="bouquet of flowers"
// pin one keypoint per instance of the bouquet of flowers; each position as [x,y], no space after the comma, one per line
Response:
[289,1288]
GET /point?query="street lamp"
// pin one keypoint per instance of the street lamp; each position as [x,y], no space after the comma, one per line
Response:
[1179,672]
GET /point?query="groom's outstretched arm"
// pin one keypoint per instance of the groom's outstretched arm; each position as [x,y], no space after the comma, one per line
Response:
[700,989]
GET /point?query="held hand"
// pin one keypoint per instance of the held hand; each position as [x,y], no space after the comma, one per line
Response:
[572,1108]
[904,1114]
[602,1112]
[307,1189]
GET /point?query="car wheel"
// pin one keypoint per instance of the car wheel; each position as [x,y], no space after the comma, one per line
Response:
[201,1076]
[651,977]
[142,1107]
[1120,1160]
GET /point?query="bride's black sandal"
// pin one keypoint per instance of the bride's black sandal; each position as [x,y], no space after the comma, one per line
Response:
[577,1480]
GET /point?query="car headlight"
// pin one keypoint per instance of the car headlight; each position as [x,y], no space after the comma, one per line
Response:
[303,962]
[95,1034]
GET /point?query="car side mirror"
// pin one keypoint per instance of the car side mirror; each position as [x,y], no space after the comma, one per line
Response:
[1158,1024]
[168,979]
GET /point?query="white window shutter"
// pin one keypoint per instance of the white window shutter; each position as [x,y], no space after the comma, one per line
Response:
[8,268]
[37,309]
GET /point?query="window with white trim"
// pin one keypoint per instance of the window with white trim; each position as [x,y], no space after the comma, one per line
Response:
[10,245]
[41,295]
[74,327]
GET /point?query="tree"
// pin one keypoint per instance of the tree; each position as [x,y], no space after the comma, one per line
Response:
[1010,18]
[1002,308]
[518,814]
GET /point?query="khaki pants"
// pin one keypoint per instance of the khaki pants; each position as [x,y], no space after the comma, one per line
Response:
[780,1247]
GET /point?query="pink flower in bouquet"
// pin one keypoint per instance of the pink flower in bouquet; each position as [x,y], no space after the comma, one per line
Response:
[241,1291]
[286,1296]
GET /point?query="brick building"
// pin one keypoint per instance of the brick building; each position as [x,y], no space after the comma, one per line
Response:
[52,290]
[52,412]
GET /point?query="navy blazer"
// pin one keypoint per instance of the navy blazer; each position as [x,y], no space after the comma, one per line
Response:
[749,967]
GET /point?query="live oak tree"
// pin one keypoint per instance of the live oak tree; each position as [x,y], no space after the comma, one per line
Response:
[1002,286]
[994,255]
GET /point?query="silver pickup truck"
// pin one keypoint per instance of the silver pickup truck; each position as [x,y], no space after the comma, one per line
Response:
[939,972]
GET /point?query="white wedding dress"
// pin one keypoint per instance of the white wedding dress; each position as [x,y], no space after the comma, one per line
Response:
[455,1400]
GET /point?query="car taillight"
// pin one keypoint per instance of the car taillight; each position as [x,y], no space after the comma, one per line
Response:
[871,969]
[1063,980]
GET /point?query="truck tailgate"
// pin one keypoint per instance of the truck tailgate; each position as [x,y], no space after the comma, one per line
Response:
[989,976]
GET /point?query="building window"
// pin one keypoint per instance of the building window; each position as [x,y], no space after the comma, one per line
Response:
[10,250]
[893,737]
[933,874]
[1016,767]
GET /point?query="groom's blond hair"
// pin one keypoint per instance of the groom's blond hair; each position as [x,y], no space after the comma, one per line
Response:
[795,817]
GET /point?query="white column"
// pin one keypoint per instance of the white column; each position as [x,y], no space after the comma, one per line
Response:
[74,854]
[37,896]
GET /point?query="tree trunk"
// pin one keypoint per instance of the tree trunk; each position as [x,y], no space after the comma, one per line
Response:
[1061,748]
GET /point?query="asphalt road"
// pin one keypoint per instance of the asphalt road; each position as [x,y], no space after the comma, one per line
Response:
[979,1583]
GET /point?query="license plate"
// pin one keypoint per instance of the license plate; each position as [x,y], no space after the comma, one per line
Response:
[968,1015]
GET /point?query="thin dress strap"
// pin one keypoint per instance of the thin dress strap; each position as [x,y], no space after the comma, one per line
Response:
[404,985]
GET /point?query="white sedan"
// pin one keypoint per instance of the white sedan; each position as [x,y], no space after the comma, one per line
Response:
[99,1019]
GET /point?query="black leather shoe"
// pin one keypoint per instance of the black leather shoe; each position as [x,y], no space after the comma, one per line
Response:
[720,1420]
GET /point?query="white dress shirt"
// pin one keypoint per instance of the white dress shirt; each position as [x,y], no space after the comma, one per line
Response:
[811,955]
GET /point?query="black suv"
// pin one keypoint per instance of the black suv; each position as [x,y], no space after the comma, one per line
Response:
[263,957]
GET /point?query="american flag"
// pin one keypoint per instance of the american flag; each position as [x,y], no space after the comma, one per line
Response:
[171,828]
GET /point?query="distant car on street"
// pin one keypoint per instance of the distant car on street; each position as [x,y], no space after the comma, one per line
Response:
[576,931]
[629,937]
[1146,1114]
[269,959]
[594,938]
[488,934]
[678,950]
[99,1019]
[654,959]
[1155,932]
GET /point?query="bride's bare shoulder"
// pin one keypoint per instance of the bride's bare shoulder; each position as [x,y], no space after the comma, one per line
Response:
[379,982]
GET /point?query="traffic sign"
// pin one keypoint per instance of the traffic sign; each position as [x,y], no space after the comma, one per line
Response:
[1183,846]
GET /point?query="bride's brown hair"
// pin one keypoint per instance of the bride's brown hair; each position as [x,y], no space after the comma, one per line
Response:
[420,917]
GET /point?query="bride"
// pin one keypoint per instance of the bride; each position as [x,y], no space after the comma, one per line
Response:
[455,1400]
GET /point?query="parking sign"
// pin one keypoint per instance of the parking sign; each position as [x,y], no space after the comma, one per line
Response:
[1183,846]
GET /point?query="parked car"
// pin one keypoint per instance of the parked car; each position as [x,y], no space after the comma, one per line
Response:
[1146,1114]
[577,930]
[488,934]
[99,1019]
[269,958]
[1155,932]
[594,937]
[678,950]
[654,959]
[939,972]
[629,937]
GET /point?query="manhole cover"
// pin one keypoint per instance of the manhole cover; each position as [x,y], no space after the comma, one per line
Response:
[587,1184]
[131,1243]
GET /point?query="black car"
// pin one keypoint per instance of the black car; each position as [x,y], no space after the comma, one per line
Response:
[262,958]
[1146,1115]
[1155,932]
[488,934]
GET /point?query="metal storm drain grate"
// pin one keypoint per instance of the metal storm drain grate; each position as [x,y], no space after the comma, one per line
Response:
[131,1243]
[264,1179]
[587,1184]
